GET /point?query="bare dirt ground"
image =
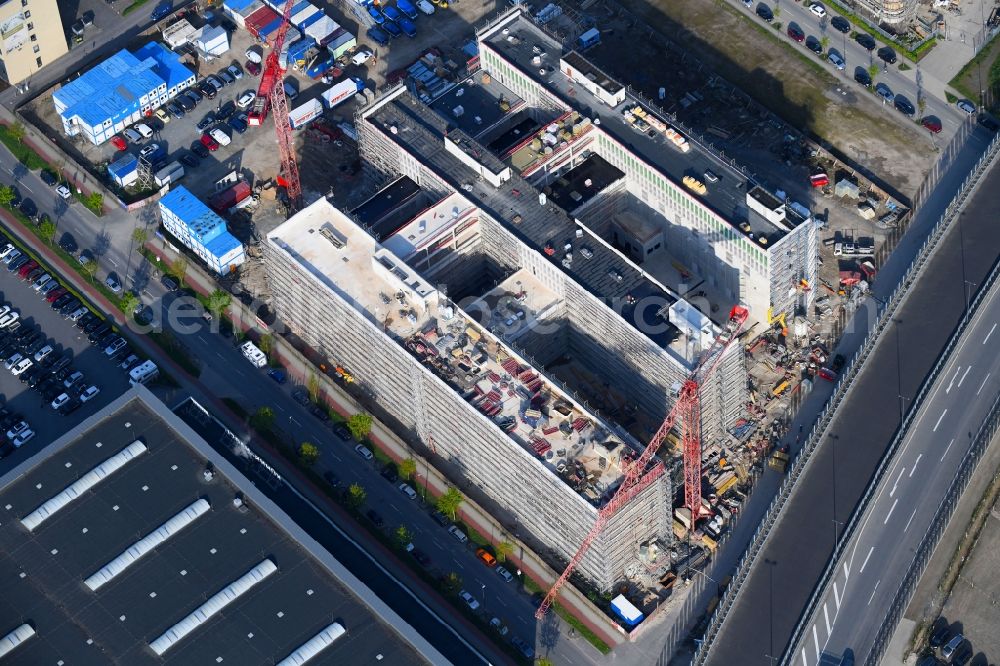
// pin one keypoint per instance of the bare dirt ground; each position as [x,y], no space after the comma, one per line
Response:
[702,39]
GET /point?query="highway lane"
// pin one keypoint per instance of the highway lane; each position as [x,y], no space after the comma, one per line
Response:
[228,374]
[878,557]
[760,623]
[854,55]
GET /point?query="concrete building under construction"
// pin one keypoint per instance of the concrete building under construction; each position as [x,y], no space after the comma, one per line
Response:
[532,280]
[538,456]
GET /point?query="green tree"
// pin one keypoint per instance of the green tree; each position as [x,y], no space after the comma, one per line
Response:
[262,419]
[266,343]
[777,12]
[921,104]
[95,202]
[139,236]
[451,583]
[407,468]
[360,425]
[873,71]
[402,536]
[17,130]
[449,501]
[6,195]
[824,42]
[308,453]
[542,661]
[356,496]
[503,550]
[90,268]
[334,415]
[128,302]
[47,231]
[312,385]
[179,269]
[218,301]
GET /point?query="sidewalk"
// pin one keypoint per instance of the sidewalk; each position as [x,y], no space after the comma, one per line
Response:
[300,369]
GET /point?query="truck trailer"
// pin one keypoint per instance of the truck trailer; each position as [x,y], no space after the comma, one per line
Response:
[342,91]
[304,114]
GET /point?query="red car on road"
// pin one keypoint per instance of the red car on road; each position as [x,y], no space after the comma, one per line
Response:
[118,142]
[931,124]
[209,142]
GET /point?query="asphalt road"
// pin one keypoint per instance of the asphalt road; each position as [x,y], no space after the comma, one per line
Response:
[878,556]
[774,595]
[228,374]
[855,55]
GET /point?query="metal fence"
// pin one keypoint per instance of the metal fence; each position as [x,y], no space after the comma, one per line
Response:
[819,430]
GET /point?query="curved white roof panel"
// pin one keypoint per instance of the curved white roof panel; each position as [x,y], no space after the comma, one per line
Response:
[15,638]
[214,605]
[147,544]
[314,645]
[82,485]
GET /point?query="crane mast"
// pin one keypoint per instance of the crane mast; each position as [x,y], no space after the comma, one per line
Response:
[271,97]
[686,414]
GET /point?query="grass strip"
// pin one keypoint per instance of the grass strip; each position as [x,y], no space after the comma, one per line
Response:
[134,6]
[176,351]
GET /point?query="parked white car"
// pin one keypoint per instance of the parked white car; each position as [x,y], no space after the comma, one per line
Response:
[361,56]
[220,136]
[60,400]
[64,192]
[817,9]
[469,600]
[89,393]
[23,438]
[21,367]
[246,99]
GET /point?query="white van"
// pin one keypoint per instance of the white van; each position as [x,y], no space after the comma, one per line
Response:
[144,130]
[132,135]
[426,7]
[143,373]
[361,57]
[220,136]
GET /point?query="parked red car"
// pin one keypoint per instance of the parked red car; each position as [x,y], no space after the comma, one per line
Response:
[796,33]
[209,142]
[27,268]
[55,293]
[931,124]
[252,67]
[118,142]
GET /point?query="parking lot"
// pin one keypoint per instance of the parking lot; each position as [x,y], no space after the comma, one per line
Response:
[61,349]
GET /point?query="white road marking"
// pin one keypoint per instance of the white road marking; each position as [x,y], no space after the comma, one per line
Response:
[915,463]
[816,641]
[939,420]
[826,618]
[847,573]
[279,408]
[910,520]
[983,384]
[865,563]
[954,377]
[893,491]
[964,375]
[805,660]
[891,509]
[873,592]
[292,419]
[948,448]
[836,595]
[989,334]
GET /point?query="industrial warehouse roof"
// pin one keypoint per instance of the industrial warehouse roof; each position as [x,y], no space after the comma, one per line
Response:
[168,64]
[109,88]
[111,536]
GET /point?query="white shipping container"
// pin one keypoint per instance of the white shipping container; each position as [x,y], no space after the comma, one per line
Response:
[169,174]
[305,113]
[299,18]
[341,92]
[321,28]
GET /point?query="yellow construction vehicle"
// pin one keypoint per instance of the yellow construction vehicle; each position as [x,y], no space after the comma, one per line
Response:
[345,375]
[780,319]
[779,459]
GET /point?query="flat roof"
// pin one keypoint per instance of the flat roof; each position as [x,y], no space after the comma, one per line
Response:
[473,105]
[518,40]
[45,568]
[583,182]
[452,344]
[428,225]
[388,209]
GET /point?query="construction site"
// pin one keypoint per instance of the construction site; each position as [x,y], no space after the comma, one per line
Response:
[566,312]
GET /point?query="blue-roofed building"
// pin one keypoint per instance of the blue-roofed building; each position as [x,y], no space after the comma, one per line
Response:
[192,223]
[125,170]
[120,91]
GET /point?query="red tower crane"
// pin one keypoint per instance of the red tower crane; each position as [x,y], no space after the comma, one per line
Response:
[271,96]
[686,413]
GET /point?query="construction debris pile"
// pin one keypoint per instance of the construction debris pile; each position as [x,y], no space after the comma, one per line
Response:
[521,402]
